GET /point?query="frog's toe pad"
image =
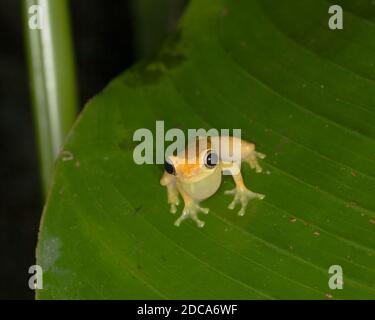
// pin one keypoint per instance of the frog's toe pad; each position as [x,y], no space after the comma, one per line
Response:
[260,196]
[204,210]
[260,155]
[230,192]
[173,205]
[232,205]
[173,209]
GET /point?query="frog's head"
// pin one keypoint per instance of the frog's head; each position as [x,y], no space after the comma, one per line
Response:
[188,170]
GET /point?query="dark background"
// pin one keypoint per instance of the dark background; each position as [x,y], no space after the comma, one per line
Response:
[104,47]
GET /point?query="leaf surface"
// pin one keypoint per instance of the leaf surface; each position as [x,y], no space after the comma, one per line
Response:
[302,92]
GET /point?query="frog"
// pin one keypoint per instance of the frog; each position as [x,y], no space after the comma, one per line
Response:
[196,172]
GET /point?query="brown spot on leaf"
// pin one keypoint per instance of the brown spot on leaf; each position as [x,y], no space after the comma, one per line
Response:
[224,12]
[66,155]
[137,209]
[352,204]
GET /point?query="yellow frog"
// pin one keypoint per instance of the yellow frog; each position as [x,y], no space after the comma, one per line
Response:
[196,174]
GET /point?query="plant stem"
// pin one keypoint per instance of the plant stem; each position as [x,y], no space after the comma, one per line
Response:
[52,78]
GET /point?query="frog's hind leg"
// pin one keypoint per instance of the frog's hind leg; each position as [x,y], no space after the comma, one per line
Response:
[191,210]
[249,155]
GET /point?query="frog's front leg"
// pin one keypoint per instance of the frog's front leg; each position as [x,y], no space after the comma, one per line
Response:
[169,181]
[241,194]
[191,210]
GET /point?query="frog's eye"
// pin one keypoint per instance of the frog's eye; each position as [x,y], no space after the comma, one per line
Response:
[169,167]
[211,160]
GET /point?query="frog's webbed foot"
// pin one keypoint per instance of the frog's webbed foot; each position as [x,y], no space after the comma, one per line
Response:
[242,195]
[252,160]
[191,211]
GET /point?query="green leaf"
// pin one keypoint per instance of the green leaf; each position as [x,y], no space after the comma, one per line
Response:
[302,92]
